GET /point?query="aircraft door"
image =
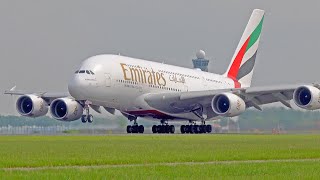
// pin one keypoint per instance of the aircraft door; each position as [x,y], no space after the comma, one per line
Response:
[185,88]
[204,81]
[107,79]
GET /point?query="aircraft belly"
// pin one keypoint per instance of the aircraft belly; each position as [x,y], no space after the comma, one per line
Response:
[153,113]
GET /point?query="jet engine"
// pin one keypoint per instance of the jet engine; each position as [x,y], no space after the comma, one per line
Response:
[228,105]
[31,106]
[66,109]
[307,97]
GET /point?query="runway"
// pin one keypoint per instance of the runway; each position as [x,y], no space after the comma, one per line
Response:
[104,166]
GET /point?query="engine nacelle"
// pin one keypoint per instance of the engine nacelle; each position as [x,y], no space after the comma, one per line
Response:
[307,97]
[66,109]
[31,106]
[228,105]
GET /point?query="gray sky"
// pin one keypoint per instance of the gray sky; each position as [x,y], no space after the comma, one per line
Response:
[43,42]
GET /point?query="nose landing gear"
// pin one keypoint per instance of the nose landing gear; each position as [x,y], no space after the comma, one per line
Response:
[87,117]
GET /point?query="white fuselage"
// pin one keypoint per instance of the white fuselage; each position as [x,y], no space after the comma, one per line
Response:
[119,82]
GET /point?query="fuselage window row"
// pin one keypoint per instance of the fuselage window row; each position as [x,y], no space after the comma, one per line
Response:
[151,86]
[179,74]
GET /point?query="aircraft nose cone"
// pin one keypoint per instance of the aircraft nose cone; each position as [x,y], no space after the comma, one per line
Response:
[77,87]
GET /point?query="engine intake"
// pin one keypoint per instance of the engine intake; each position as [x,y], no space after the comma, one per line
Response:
[66,109]
[31,106]
[307,97]
[228,105]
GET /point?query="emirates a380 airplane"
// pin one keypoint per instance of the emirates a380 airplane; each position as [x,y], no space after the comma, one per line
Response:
[140,88]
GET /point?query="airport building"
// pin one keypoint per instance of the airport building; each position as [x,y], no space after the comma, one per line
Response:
[201,62]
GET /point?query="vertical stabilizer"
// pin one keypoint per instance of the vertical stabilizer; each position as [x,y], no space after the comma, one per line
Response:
[241,67]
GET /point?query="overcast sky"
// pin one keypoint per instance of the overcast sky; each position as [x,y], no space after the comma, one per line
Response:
[43,42]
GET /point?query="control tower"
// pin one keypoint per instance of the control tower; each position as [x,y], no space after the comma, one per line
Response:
[201,62]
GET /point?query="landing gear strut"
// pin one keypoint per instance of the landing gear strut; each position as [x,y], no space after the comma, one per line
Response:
[193,128]
[135,128]
[87,117]
[163,128]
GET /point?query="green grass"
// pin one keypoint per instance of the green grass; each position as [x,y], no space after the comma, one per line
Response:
[148,150]
[305,170]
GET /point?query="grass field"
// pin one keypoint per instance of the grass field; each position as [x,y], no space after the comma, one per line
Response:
[160,157]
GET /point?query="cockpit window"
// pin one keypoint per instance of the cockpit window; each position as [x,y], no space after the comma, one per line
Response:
[84,71]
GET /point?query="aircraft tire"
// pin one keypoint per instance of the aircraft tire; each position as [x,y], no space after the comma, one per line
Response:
[192,130]
[159,129]
[183,129]
[135,129]
[208,128]
[167,130]
[187,129]
[196,129]
[172,129]
[129,129]
[141,129]
[203,129]
[83,119]
[154,129]
[90,118]
[163,129]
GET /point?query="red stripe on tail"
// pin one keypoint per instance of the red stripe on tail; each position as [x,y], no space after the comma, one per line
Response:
[234,69]
[237,84]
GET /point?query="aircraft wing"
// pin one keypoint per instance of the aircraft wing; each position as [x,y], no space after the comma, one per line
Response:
[47,96]
[189,101]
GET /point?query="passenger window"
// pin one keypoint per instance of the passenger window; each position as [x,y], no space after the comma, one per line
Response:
[82,71]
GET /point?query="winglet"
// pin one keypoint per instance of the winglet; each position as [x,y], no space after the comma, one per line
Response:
[13,88]
[10,91]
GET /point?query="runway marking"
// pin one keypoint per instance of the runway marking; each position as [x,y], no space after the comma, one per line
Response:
[154,164]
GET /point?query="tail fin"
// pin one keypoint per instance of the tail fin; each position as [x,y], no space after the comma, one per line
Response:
[241,67]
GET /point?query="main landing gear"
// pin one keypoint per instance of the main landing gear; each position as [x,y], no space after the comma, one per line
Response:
[193,128]
[87,117]
[135,128]
[163,128]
